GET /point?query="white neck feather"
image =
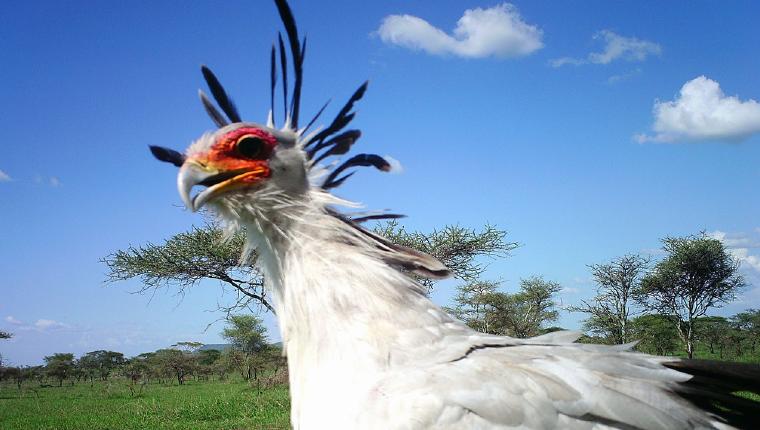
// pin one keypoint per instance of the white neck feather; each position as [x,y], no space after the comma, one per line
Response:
[342,311]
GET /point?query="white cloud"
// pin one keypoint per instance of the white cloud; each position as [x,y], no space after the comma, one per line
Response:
[54,181]
[742,246]
[616,47]
[702,112]
[45,325]
[4,177]
[12,320]
[498,31]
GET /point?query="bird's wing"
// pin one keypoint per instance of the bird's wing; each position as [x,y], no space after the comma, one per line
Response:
[533,384]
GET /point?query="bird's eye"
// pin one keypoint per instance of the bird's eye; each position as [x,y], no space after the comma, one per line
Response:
[250,146]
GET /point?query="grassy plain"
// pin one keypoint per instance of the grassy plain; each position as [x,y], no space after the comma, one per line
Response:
[233,405]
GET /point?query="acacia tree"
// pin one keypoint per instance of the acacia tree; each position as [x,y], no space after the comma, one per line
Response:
[521,314]
[59,366]
[175,362]
[185,259]
[612,307]
[697,275]
[473,304]
[248,335]
[101,362]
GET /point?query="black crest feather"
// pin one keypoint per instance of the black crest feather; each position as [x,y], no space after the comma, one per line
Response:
[211,110]
[361,160]
[272,81]
[221,97]
[167,155]
[342,119]
[284,67]
[295,51]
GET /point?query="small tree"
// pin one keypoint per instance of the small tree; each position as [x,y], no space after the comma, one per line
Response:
[102,362]
[748,322]
[59,366]
[176,362]
[610,310]
[520,314]
[473,305]
[697,275]
[248,335]
[713,331]
[656,334]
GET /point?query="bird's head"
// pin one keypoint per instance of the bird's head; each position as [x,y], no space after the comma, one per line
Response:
[253,172]
[238,160]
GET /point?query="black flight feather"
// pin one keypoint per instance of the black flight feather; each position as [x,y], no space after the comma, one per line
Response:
[272,81]
[284,66]
[211,110]
[714,385]
[167,155]
[217,90]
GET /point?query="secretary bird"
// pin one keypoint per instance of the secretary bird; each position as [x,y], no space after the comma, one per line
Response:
[366,347]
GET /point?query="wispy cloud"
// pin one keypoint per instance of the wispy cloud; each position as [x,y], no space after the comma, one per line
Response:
[53,181]
[10,319]
[614,79]
[49,325]
[4,177]
[498,31]
[703,112]
[616,47]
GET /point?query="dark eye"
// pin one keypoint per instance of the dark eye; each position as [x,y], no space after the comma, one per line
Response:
[250,147]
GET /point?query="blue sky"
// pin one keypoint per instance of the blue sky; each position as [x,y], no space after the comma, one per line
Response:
[587,130]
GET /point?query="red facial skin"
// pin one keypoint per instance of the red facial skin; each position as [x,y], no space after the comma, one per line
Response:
[225,156]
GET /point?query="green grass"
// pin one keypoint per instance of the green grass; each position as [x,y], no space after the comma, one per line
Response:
[195,405]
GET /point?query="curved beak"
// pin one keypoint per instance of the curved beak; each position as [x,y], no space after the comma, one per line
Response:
[218,182]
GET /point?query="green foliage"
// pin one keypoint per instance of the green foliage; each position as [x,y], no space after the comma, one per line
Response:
[455,246]
[248,336]
[698,274]
[209,356]
[59,366]
[656,334]
[185,259]
[521,314]
[111,405]
[246,332]
[175,362]
[101,363]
